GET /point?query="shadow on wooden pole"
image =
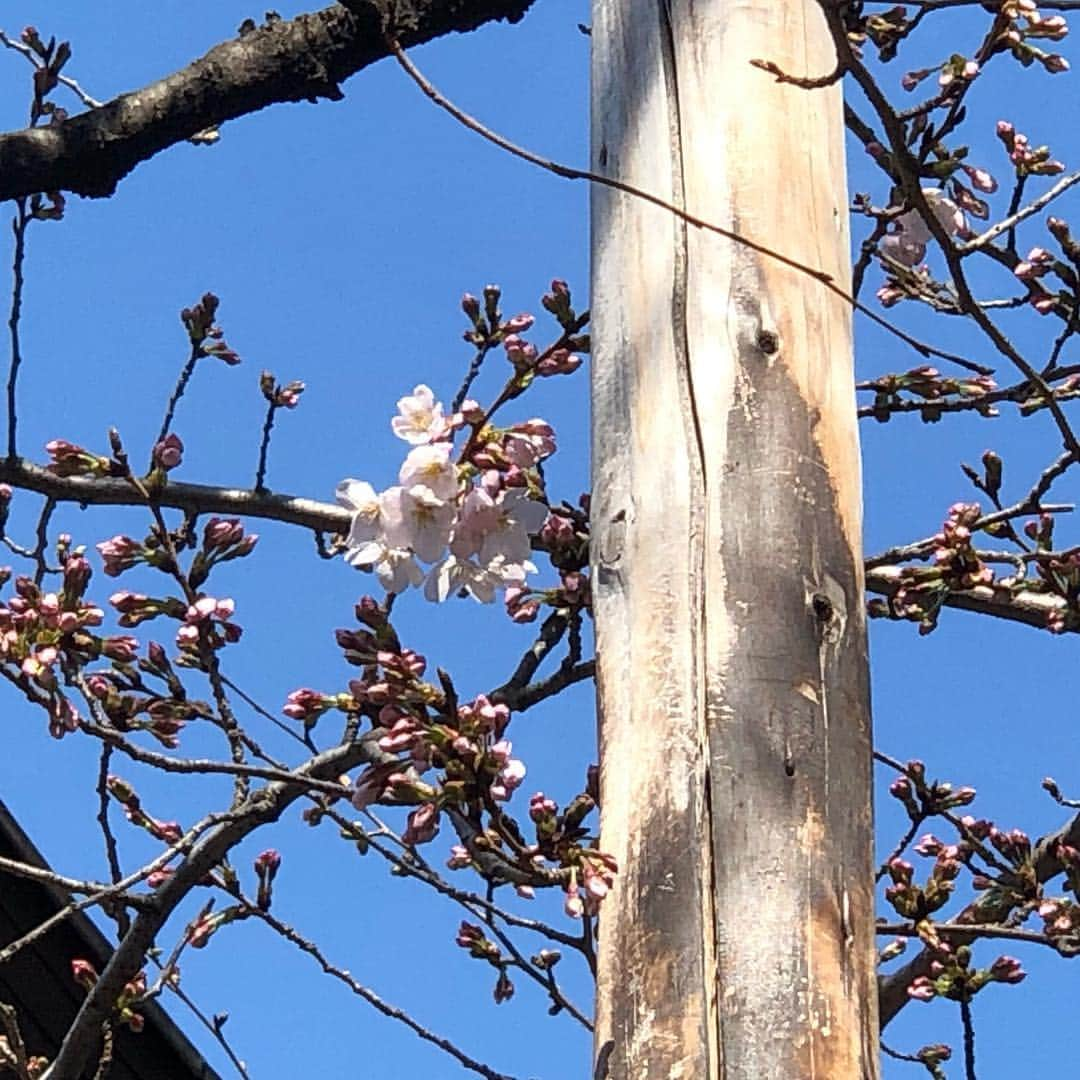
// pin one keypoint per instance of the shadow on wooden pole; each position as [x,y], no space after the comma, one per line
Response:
[732,669]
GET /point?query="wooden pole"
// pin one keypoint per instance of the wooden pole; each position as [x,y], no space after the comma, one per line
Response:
[735,727]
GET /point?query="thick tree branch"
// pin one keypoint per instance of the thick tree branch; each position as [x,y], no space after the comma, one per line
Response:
[191,498]
[1030,608]
[261,807]
[301,59]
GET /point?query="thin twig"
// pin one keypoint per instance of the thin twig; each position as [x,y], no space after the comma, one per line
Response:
[123,923]
[178,391]
[19,225]
[373,999]
[969,1038]
[1015,217]
[569,173]
[264,446]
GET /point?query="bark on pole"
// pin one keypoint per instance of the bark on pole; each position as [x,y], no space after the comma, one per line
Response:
[732,669]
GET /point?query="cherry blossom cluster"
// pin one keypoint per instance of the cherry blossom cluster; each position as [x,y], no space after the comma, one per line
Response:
[471,522]
[952,976]
[463,522]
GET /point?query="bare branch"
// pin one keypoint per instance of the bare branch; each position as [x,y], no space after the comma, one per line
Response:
[301,59]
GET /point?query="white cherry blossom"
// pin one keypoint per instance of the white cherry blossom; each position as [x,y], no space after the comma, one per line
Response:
[516,518]
[417,519]
[420,418]
[431,466]
[359,497]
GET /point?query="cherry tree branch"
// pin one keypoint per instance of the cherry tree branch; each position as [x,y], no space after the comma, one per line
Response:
[892,988]
[301,59]
[261,807]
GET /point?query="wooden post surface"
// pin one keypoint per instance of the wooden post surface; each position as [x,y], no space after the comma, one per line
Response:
[732,668]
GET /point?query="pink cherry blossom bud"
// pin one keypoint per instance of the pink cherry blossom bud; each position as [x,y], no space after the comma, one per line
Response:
[169,452]
[222,533]
[518,324]
[574,906]
[83,973]
[98,686]
[459,858]
[471,306]
[981,180]
[472,412]
[422,825]
[1007,969]
[123,649]
[922,989]
[119,554]
[306,705]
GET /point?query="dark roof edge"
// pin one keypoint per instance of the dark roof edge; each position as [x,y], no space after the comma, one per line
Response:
[99,949]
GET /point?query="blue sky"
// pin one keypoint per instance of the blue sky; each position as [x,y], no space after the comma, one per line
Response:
[340,238]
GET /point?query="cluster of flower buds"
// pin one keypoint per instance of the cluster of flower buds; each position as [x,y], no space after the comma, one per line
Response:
[955,71]
[124,699]
[917,902]
[1026,160]
[121,553]
[1058,573]
[1061,917]
[71,460]
[1024,23]
[921,591]
[597,876]
[168,832]
[480,947]
[223,540]
[280,396]
[50,60]
[45,633]
[562,839]
[85,974]
[206,621]
[488,324]
[470,749]
[207,338]
[1036,264]
[922,799]
[952,977]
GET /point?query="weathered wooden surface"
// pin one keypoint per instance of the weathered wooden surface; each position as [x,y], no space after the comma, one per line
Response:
[735,732]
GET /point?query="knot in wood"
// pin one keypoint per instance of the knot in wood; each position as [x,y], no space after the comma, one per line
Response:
[768,341]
